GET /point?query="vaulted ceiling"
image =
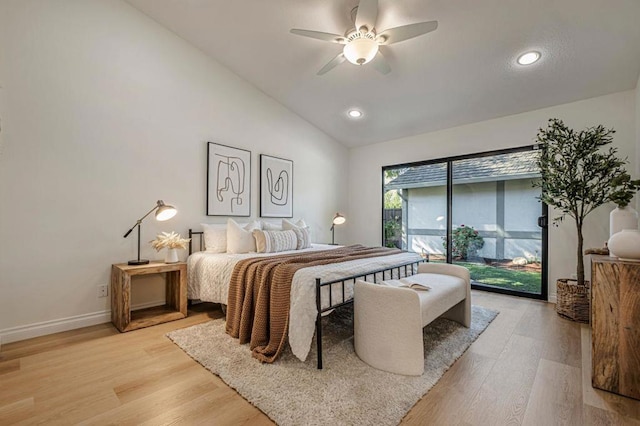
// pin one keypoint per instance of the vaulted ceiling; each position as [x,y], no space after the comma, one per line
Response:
[463,72]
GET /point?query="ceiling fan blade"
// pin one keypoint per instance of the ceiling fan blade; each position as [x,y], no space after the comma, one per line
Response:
[380,64]
[397,34]
[367,14]
[332,64]
[334,38]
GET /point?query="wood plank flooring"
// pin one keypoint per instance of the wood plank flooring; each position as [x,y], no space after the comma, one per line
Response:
[530,367]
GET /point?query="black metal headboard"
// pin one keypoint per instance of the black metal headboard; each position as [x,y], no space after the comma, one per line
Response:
[200,245]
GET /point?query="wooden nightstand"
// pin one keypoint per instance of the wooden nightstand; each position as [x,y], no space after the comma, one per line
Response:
[176,295]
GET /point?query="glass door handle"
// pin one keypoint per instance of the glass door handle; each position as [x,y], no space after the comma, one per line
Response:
[543,221]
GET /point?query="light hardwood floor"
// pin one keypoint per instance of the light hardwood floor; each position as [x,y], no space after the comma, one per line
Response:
[529,367]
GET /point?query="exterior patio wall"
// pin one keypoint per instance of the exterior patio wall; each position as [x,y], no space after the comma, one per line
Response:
[522,208]
[431,244]
[475,205]
[529,249]
[427,208]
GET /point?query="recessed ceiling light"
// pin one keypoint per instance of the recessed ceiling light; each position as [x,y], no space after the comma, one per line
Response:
[528,58]
[354,113]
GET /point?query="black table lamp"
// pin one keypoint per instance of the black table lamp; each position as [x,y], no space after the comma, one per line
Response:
[338,219]
[163,212]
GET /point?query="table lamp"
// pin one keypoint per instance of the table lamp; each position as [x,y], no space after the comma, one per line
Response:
[163,212]
[338,219]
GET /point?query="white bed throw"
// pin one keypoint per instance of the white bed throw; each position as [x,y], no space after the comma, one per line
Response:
[209,274]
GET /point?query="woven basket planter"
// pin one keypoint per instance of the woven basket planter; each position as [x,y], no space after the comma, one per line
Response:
[573,300]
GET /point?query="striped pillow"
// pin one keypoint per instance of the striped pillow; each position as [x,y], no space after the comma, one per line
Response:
[275,241]
[302,233]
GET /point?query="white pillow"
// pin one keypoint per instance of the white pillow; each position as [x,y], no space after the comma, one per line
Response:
[302,224]
[239,239]
[215,237]
[275,241]
[268,226]
[301,230]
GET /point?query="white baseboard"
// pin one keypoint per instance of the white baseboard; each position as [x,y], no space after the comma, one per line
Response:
[552,298]
[44,328]
[29,331]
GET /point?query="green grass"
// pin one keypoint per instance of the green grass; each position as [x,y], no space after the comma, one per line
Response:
[525,281]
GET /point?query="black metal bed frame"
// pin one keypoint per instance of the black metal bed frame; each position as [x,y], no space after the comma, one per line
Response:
[343,300]
[201,236]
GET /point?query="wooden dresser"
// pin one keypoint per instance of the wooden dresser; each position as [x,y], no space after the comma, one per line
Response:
[615,322]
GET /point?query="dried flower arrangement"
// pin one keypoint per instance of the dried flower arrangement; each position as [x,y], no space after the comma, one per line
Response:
[169,240]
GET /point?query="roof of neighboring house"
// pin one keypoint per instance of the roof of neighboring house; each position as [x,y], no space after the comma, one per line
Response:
[517,165]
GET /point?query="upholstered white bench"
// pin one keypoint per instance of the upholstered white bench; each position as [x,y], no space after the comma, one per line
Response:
[388,320]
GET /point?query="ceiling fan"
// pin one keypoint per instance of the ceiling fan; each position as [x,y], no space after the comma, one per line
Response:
[361,44]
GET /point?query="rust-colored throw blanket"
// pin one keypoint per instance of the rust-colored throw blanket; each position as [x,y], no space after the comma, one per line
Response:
[258,304]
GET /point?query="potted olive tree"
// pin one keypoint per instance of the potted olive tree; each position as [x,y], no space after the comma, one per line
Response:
[578,174]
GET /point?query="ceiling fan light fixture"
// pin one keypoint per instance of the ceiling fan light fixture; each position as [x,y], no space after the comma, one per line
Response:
[362,42]
[360,50]
[528,58]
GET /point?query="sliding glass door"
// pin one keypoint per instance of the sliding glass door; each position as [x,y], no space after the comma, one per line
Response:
[480,211]
[415,209]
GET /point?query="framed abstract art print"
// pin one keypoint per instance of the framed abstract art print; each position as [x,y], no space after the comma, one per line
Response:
[276,187]
[228,181]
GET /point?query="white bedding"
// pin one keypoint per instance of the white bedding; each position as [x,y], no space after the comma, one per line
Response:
[208,276]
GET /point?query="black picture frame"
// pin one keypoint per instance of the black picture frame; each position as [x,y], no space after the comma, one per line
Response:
[276,187]
[228,181]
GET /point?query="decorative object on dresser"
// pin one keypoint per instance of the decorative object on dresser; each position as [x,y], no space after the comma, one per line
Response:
[615,326]
[338,219]
[623,216]
[598,250]
[228,181]
[163,212]
[174,308]
[172,242]
[577,176]
[276,187]
[625,244]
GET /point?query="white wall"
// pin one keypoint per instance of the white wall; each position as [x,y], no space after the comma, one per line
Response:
[638,137]
[616,110]
[105,112]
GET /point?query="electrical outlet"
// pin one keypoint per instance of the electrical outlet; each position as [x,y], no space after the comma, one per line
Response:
[103,290]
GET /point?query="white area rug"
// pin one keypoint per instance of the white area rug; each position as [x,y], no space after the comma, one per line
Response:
[347,391]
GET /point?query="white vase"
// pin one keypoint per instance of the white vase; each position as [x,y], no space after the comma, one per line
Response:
[171,256]
[622,218]
[625,244]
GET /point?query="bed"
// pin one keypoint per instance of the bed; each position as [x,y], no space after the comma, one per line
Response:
[315,290]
